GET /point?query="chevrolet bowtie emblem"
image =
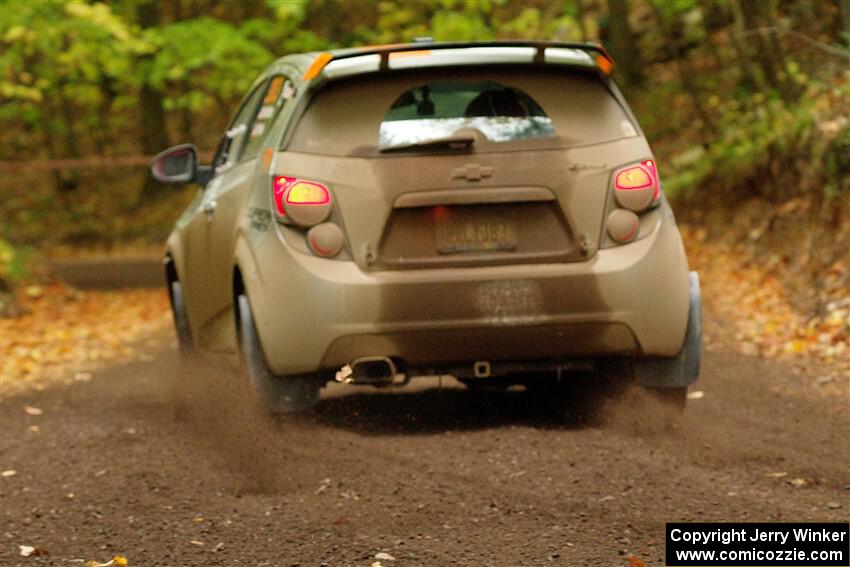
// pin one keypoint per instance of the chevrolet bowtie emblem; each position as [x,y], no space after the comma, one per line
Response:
[472,172]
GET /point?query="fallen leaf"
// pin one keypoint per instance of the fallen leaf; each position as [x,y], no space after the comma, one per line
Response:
[635,562]
[32,410]
[383,556]
[777,474]
[33,551]
[696,395]
[57,340]
[8,473]
[34,291]
[196,542]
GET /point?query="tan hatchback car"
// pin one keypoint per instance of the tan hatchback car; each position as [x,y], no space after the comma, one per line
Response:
[491,211]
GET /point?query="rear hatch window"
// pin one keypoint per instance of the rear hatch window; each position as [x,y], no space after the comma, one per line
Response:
[436,110]
[504,107]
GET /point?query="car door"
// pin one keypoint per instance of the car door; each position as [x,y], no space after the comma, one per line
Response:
[209,234]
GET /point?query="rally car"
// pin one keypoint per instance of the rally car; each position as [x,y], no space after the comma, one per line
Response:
[491,211]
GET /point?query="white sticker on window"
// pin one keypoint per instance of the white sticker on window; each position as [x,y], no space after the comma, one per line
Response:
[258,129]
[265,112]
[628,128]
[288,90]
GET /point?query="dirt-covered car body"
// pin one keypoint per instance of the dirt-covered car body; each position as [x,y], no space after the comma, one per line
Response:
[474,209]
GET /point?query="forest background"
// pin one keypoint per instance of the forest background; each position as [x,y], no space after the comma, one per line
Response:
[746,104]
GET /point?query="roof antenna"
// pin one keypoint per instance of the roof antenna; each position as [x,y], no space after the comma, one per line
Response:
[423,39]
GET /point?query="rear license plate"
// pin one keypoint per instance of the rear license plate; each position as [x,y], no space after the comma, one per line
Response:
[456,235]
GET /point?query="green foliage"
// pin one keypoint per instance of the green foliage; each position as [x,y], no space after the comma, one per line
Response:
[780,150]
[203,60]
[65,53]
[13,262]
[80,78]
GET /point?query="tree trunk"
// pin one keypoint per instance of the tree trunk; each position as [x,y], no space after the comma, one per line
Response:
[151,113]
[622,43]
[686,74]
[759,15]
[844,8]
[742,45]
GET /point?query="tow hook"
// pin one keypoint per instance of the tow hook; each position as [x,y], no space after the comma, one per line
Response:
[481,369]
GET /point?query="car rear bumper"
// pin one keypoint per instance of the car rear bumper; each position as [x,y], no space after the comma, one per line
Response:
[313,313]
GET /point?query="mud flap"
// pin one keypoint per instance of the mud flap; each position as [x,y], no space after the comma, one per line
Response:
[682,370]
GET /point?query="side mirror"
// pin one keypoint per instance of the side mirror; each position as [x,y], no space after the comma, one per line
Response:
[178,164]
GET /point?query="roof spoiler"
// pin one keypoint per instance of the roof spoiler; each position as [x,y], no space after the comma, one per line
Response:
[603,60]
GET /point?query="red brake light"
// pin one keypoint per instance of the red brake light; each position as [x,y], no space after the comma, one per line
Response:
[303,202]
[650,165]
[636,177]
[307,193]
[637,185]
[279,186]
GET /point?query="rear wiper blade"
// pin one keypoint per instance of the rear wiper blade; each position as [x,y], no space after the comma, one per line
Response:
[452,142]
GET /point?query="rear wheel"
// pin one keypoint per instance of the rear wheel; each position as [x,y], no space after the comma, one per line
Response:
[662,407]
[575,396]
[182,386]
[278,394]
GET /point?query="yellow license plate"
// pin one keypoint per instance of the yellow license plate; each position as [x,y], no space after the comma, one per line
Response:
[456,235]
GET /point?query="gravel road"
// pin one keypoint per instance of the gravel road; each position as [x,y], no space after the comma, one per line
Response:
[431,476]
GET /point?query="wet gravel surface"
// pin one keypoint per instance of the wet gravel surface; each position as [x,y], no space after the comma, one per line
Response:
[428,475]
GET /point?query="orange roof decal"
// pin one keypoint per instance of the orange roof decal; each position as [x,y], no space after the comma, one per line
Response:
[605,65]
[316,67]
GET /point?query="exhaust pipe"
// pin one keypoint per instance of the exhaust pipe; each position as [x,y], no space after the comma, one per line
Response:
[372,370]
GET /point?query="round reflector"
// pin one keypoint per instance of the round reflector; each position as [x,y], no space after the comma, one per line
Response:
[325,239]
[623,225]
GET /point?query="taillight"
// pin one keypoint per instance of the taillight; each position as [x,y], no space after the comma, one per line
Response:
[305,203]
[307,193]
[637,187]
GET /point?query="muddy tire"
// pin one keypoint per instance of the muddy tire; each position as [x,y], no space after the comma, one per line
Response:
[186,353]
[578,397]
[181,320]
[665,405]
[277,394]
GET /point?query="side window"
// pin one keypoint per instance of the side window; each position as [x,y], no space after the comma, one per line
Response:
[279,91]
[231,146]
